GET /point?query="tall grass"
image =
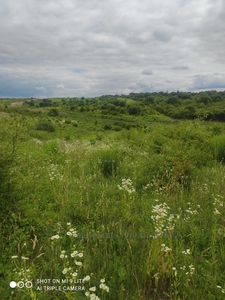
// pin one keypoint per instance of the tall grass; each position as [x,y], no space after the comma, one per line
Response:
[219,147]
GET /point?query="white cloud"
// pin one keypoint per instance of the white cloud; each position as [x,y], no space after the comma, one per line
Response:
[40,88]
[60,86]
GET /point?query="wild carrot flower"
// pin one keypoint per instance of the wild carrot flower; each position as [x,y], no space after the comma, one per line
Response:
[187,251]
[165,248]
[86,278]
[24,258]
[127,185]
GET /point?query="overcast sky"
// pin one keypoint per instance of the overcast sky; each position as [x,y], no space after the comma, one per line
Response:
[73,48]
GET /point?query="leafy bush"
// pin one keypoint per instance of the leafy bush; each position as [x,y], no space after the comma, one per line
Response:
[45,125]
[134,110]
[53,112]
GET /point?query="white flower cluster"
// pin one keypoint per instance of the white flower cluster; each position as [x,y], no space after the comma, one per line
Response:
[55,237]
[72,231]
[186,252]
[222,290]
[54,173]
[86,278]
[76,253]
[218,202]
[190,211]
[23,274]
[63,255]
[22,257]
[90,294]
[191,269]
[127,185]
[103,286]
[165,249]
[71,272]
[163,221]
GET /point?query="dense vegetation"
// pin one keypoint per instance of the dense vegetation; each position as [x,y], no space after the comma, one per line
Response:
[134,184]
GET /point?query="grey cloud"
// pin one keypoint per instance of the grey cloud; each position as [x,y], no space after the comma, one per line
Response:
[208,81]
[180,68]
[162,35]
[147,72]
[91,47]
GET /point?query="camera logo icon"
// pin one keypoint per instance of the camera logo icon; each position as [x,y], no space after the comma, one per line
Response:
[21,284]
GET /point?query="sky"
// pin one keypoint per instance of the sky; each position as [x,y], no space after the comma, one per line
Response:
[75,48]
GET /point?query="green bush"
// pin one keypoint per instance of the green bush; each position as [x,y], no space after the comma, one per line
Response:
[45,125]
[134,110]
[53,112]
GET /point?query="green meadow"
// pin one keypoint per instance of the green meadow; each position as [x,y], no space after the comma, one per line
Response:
[113,197]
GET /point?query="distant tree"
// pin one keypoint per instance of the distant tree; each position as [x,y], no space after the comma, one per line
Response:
[46,102]
[149,100]
[204,98]
[134,110]
[173,100]
[217,98]
[31,102]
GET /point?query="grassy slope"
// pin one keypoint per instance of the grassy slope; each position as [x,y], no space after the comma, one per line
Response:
[148,205]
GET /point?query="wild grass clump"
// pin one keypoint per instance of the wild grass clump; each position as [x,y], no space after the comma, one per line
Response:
[109,161]
[45,125]
[219,148]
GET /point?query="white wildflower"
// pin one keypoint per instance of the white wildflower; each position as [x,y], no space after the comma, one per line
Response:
[65,270]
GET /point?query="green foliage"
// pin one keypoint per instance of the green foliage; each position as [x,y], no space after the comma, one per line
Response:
[219,147]
[134,110]
[53,112]
[12,132]
[45,103]
[109,162]
[45,125]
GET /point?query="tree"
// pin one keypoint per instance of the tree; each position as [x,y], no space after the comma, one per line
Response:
[134,110]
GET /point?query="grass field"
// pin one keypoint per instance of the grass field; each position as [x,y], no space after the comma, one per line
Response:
[103,206]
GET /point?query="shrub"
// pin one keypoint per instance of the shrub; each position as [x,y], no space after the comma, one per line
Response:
[134,110]
[53,112]
[45,125]
[107,127]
